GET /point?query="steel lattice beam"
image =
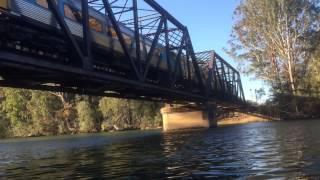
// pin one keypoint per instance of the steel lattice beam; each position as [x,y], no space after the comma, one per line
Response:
[219,71]
[187,76]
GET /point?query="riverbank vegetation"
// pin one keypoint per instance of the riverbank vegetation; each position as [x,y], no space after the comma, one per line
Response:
[278,41]
[36,113]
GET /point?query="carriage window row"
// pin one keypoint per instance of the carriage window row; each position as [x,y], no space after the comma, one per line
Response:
[93,22]
[74,15]
[77,16]
[113,34]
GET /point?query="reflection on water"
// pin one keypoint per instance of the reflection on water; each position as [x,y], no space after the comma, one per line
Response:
[264,150]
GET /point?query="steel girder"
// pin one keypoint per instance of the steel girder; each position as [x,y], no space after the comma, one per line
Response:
[150,21]
[222,80]
[183,80]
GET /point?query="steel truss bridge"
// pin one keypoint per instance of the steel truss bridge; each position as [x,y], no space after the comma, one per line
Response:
[34,57]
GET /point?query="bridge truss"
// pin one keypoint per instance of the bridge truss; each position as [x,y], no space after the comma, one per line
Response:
[222,80]
[34,57]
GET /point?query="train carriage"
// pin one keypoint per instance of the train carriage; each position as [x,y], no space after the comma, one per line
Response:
[102,33]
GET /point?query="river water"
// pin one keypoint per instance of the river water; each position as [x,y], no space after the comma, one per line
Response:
[258,150]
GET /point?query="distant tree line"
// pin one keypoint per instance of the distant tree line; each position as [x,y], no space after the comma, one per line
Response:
[278,42]
[36,113]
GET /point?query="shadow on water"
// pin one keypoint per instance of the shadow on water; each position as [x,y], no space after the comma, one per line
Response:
[260,150]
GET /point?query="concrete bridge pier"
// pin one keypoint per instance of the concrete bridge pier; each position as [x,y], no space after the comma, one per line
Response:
[188,117]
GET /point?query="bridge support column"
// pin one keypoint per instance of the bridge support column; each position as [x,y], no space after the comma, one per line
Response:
[188,117]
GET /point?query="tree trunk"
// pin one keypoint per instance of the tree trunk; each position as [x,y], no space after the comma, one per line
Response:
[292,83]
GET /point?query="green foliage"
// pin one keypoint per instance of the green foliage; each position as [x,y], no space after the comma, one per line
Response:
[273,39]
[15,111]
[311,81]
[278,42]
[129,113]
[4,125]
[86,116]
[151,116]
[67,115]
[43,107]
[34,113]
[111,110]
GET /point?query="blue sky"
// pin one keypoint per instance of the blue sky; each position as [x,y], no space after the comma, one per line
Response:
[210,25]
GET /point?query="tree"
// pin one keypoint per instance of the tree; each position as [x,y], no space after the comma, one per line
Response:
[86,117]
[272,38]
[43,107]
[115,112]
[33,113]
[67,115]
[4,126]
[4,123]
[259,94]
[150,116]
[130,113]
[14,108]
[311,83]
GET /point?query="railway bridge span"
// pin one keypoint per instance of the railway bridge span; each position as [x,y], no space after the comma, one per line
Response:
[131,49]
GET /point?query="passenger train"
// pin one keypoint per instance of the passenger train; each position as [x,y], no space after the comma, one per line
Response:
[102,32]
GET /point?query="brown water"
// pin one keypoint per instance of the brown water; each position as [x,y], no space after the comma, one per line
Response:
[260,150]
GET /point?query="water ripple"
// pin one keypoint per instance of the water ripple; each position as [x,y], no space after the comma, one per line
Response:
[261,150]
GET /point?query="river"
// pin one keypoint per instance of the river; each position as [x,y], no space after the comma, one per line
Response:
[258,150]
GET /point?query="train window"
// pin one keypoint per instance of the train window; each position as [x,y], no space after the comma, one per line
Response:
[77,16]
[95,24]
[42,3]
[127,39]
[112,32]
[71,13]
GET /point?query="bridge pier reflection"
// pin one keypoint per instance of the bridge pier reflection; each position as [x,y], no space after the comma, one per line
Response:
[187,117]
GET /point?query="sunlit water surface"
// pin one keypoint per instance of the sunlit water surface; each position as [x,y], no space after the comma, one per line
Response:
[260,150]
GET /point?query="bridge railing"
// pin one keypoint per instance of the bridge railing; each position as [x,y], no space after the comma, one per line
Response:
[222,80]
